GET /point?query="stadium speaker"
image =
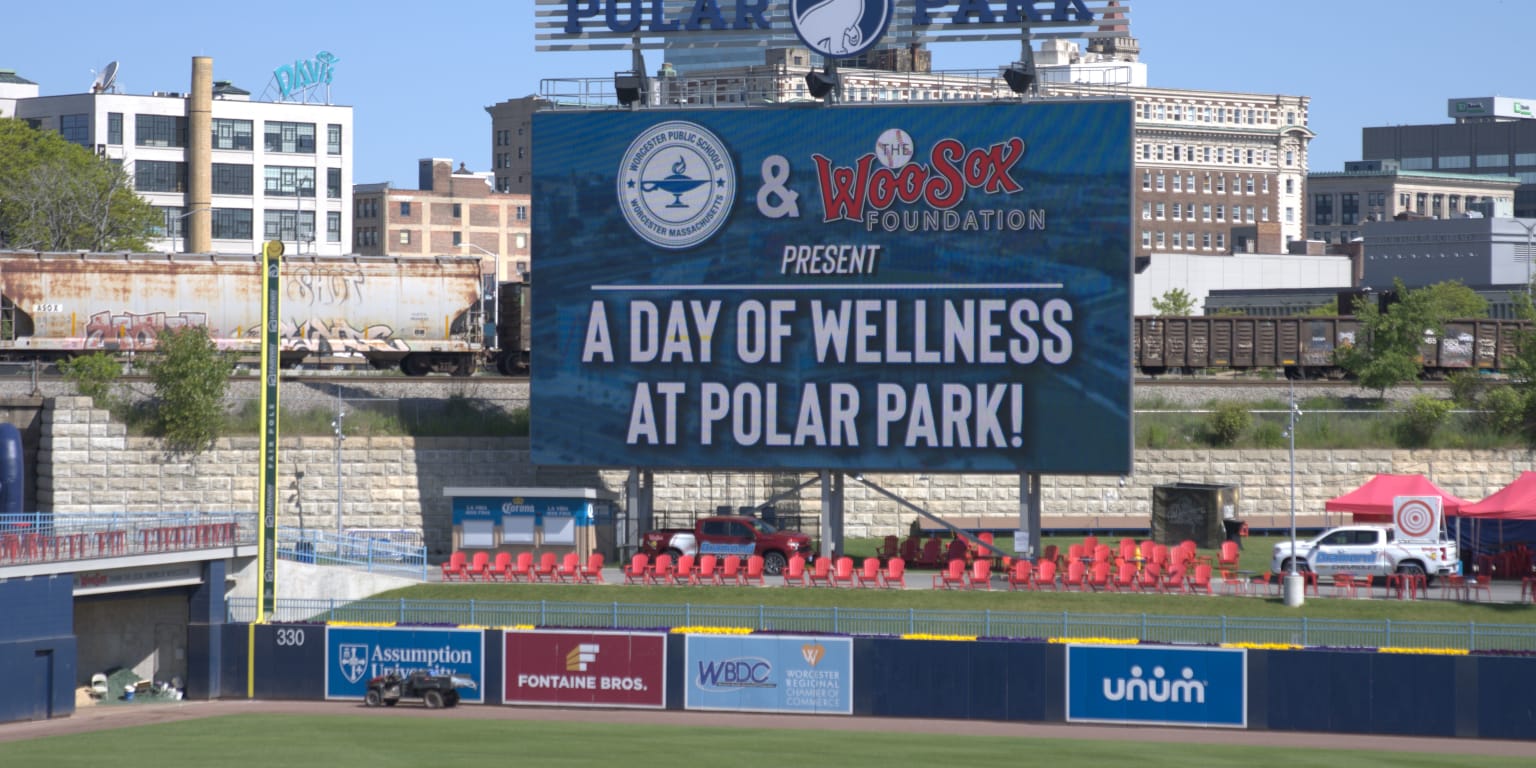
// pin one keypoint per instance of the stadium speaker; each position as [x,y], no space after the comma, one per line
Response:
[1019,79]
[629,88]
[821,84]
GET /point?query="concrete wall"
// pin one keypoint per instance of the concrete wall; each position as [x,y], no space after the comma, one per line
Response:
[142,631]
[88,463]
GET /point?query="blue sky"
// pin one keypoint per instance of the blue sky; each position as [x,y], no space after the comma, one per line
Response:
[420,74]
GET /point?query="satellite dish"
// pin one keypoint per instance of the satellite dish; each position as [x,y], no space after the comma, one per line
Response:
[106,79]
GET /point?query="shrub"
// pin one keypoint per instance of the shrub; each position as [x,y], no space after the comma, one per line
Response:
[1503,410]
[1467,387]
[1228,423]
[92,376]
[1424,416]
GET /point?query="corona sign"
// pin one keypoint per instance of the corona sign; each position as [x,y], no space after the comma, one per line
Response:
[865,288]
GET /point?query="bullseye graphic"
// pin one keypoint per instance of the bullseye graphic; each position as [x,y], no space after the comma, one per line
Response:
[1415,519]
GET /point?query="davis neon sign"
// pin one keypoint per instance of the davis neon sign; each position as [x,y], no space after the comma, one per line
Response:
[304,75]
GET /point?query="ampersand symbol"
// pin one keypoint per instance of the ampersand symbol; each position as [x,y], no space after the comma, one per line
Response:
[775,174]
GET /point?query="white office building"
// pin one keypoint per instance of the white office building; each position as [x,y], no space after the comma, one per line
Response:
[280,170]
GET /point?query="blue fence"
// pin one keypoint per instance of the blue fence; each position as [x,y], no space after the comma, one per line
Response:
[1152,628]
[364,551]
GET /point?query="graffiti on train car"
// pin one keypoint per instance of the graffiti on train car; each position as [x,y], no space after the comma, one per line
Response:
[130,331]
[312,286]
[327,337]
[136,331]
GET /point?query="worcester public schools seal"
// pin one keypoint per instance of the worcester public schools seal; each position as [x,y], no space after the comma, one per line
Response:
[676,184]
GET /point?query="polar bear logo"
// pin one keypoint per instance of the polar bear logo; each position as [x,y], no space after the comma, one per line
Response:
[841,27]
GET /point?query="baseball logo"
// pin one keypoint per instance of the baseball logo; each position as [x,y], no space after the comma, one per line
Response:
[840,28]
[1415,520]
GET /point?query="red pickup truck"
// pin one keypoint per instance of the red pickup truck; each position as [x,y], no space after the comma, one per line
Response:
[730,535]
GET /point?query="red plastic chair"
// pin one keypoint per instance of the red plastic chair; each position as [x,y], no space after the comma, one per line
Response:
[707,571]
[1125,577]
[959,549]
[592,572]
[480,567]
[570,568]
[895,573]
[869,574]
[501,570]
[753,572]
[684,572]
[548,563]
[457,567]
[1128,549]
[522,570]
[1051,553]
[821,572]
[1101,553]
[980,574]
[1480,583]
[1099,575]
[1045,576]
[1202,580]
[932,555]
[660,571]
[1077,576]
[1226,560]
[1344,585]
[730,570]
[639,566]
[842,575]
[1173,580]
[891,548]
[794,572]
[1150,579]
[1021,575]
[910,549]
[1089,542]
[952,577]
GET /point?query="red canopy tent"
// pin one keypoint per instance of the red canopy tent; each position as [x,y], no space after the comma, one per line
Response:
[1372,502]
[1503,524]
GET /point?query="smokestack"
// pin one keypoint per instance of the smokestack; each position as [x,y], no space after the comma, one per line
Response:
[199,221]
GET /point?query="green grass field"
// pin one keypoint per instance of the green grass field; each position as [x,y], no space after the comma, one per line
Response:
[360,741]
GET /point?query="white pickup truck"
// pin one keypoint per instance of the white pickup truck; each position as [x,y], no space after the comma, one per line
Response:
[1367,550]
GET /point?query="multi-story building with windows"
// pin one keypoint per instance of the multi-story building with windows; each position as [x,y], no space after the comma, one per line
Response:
[1340,203]
[280,170]
[512,143]
[453,212]
[1490,136]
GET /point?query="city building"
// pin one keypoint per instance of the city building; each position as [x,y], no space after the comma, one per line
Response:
[1482,253]
[279,170]
[452,212]
[512,143]
[1490,136]
[1201,275]
[1341,202]
[13,88]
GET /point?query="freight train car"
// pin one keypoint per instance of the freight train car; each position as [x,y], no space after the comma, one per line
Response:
[1303,347]
[513,329]
[419,315]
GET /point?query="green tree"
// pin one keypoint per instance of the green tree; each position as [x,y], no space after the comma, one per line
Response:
[190,376]
[1228,423]
[93,375]
[1176,302]
[1324,310]
[59,196]
[1424,417]
[1389,350]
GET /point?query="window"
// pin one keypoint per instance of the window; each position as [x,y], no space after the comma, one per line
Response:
[1290,186]
[1221,182]
[1349,208]
[520,152]
[1290,215]
[405,208]
[1146,179]
[1525,158]
[458,238]
[1419,163]
[1248,213]
[1264,184]
[232,134]
[522,213]
[1221,241]
[1290,157]
[1263,213]
[1221,213]
[1146,210]
[173,221]
[1178,183]
[1178,240]
[290,137]
[458,210]
[1160,182]
[1207,185]
[1205,240]
[279,225]
[333,226]
[405,237]
[1205,211]
[75,129]
[1157,152]
[1161,211]
[159,131]
[231,179]
[1146,238]
[1161,240]
[159,176]
[333,139]
[1248,187]
[115,128]
[1178,210]
[1485,161]
[232,224]
[1455,161]
[289,181]
[333,183]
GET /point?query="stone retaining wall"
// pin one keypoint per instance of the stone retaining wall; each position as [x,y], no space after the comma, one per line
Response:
[88,463]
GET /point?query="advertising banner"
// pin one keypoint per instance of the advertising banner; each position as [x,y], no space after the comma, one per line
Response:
[861,287]
[1157,685]
[1417,518]
[763,673]
[354,655]
[585,669]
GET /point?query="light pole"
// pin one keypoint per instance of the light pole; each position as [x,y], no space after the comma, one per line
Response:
[336,426]
[1294,591]
[1529,253]
[182,228]
[495,297]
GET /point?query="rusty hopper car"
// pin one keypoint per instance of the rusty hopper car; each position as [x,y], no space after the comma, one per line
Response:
[1303,347]
[419,315]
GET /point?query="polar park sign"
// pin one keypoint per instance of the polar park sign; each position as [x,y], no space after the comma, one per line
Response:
[854,288]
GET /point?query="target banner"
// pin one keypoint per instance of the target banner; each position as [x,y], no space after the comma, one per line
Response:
[1416,518]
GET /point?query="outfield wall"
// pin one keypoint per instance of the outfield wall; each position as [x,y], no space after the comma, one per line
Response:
[1329,690]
